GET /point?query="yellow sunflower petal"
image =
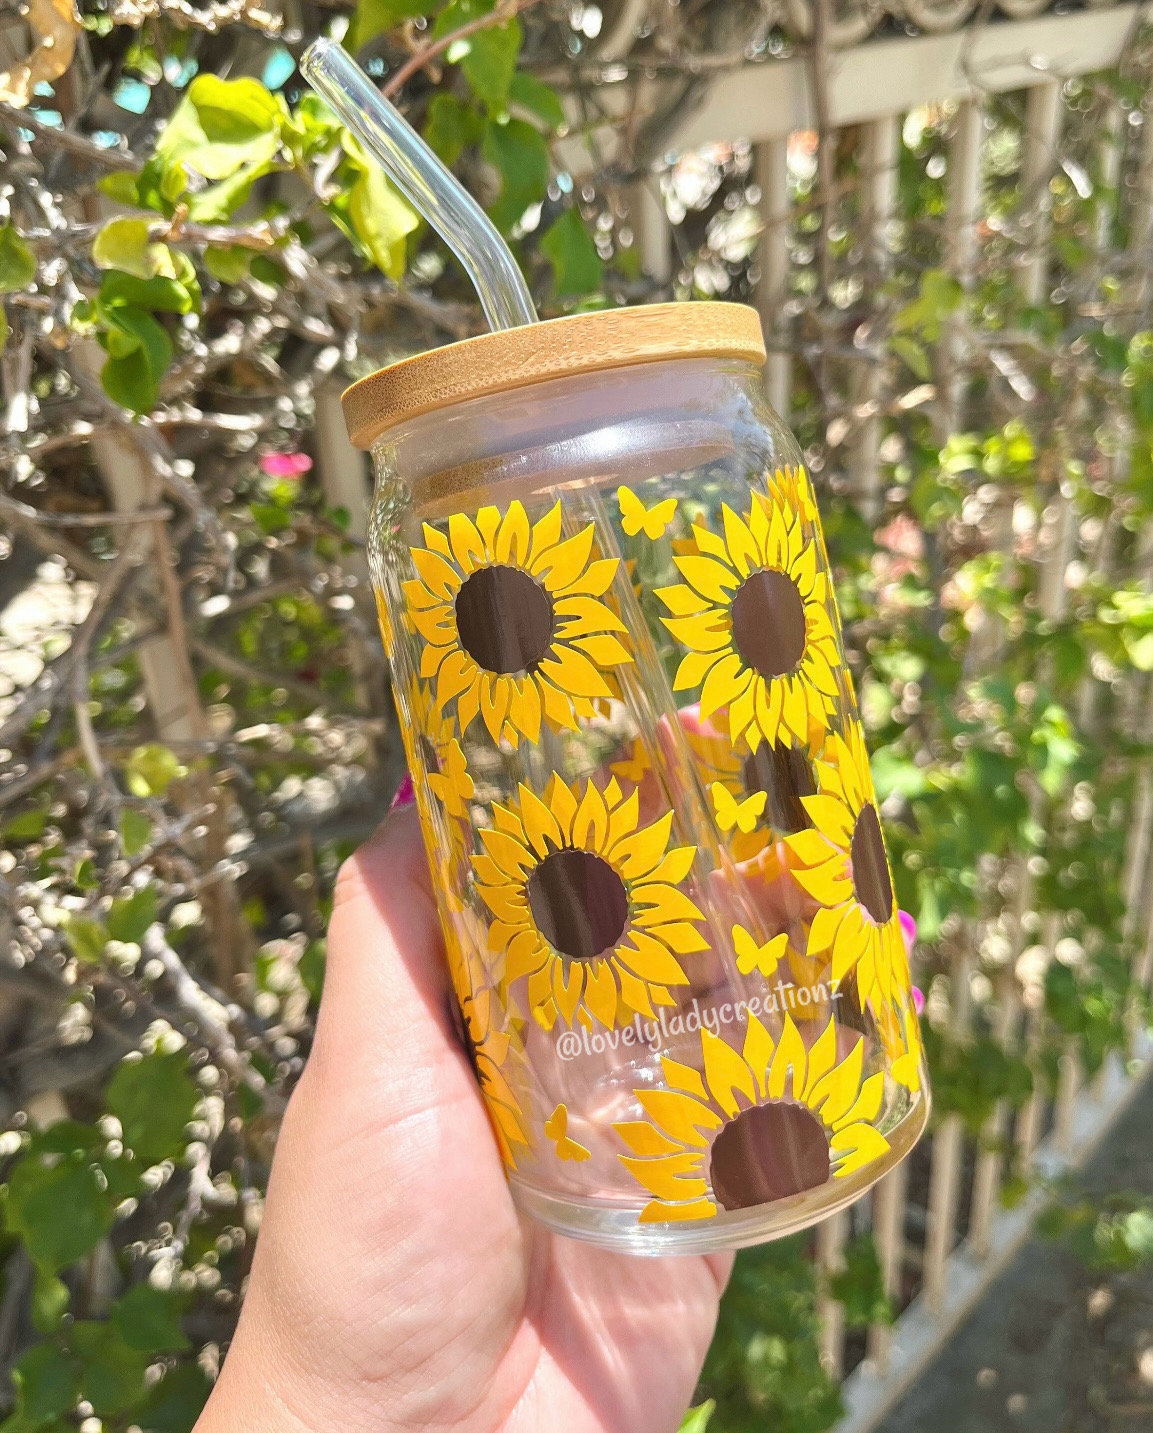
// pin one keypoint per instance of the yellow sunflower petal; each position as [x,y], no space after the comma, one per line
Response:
[682,601]
[742,547]
[540,825]
[601,995]
[573,673]
[545,534]
[855,1146]
[585,614]
[790,1056]
[467,545]
[650,959]
[724,680]
[726,1074]
[512,541]
[437,573]
[834,1093]
[561,565]
[868,1103]
[694,668]
[683,1077]
[595,580]
[680,1116]
[660,903]
[603,649]
[643,1139]
[710,578]
[758,1053]
[658,1213]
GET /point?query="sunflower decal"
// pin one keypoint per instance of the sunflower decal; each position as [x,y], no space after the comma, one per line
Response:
[753,1126]
[514,628]
[793,490]
[585,903]
[753,613]
[842,863]
[491,1049]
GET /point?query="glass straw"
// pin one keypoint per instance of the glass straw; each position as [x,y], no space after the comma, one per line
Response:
[424,181]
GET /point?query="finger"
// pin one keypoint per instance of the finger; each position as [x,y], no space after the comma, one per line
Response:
[384,1013]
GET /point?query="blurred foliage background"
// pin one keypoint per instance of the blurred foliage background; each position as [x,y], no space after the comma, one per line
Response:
[195,719]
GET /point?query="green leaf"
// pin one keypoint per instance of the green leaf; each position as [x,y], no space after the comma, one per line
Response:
[175,1403]
[152,769]
[451,127]
[225,130]
[912,354]
[130,381]
[130,329]
[135,831]
[87,937]
[697,1420]
[125,244]
[377,217]
[139,352]
[160,294]
[17,261]
[148,1319]
[60,1210]
[222,127]
[373,17]
[569,247]
[27,826]
[538,98]
[153,1098]
[47,1383]
[131,916]
[521,155]
[487,57]
[112,1378]
[230,263]
[49,1303]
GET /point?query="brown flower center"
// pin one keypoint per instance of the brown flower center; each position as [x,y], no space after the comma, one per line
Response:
[504,619]
[784,774]
[769,623]
[766,1153]
[579,903]
[871,879]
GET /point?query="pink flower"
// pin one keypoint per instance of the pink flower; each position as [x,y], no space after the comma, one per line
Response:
[405,794]
[285,465]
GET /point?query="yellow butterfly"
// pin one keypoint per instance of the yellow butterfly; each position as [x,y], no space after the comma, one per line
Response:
[636,518]
[762,958]
[634,767]
[731,812]
[556,1127]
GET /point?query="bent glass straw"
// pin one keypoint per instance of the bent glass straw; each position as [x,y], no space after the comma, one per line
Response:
[424,181]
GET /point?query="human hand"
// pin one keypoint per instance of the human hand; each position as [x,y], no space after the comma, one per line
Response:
[394,1286]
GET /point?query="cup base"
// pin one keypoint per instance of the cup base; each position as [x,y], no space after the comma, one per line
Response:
[613,1227]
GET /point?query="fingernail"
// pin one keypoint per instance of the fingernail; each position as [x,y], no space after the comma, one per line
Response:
[405,794]
[918,999]
[908,929]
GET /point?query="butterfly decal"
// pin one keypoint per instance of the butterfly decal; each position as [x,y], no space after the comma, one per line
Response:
[556,1127]
[731,812]
[751,956]
[634,767]
[636,518]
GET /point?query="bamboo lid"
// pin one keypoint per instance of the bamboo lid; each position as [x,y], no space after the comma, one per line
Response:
[557,348]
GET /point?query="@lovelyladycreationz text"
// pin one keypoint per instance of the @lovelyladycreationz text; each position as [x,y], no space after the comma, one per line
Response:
[656,1032]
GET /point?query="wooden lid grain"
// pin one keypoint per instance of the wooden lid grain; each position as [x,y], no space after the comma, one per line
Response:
[557,348]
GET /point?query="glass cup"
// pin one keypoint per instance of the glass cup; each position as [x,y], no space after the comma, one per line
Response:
[668,912]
